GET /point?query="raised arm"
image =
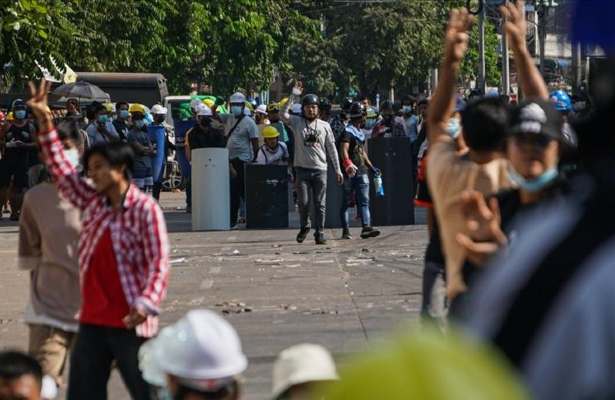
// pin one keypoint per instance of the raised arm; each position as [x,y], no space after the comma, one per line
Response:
[455,47]
[66,177]
[292,99]
[530,79]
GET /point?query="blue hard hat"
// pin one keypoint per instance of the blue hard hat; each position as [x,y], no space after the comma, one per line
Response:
[561,100]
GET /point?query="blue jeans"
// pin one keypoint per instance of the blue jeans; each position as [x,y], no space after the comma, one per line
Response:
[360,185]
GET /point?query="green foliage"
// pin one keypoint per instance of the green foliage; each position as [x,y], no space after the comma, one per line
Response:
[232,44]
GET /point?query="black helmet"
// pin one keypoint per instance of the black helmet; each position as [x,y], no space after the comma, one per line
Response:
[346,104]
[357,110]
[386,108]
[309,99]
[325,104]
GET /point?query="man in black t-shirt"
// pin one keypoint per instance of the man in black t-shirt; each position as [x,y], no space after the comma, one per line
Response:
[355,162]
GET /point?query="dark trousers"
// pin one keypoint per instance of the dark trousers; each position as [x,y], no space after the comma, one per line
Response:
[158,184]
[237,189]
[312,185]
[90,364]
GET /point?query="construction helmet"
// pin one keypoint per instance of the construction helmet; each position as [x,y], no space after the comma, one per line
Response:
[202,350]
[273,107]
[269,132]
[203,111]
[157,109]
[325,104]
[136,108]
[261,109]
[237,98]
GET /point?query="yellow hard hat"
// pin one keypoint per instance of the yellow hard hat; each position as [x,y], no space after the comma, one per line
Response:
[283,102]
[109,107]
[269,132]
[209,103]
[273,107]
[10,116]
[136,108]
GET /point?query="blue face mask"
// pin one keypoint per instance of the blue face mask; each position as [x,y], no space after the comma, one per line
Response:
[124,114]
[536,184]
[453,128]
[20,114]
[103,119]
[139,123]
[237,110]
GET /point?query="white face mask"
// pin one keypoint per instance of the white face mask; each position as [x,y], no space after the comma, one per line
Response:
[73,157]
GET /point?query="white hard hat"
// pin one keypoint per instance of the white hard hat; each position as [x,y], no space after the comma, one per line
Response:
[194,104]
[262,109]
[202,350]
[158,109]
[302,363]
[203,111]
[237,98]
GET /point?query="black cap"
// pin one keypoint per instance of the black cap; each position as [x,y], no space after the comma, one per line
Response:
[19,104]
[346,104]
[325,104]
[309,99]
[536,117]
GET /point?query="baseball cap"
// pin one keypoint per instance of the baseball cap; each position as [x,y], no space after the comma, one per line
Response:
[537,117]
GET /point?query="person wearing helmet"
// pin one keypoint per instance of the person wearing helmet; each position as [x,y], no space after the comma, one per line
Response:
[19,155]
[390,124]
[242,136]
[100,129]
[143,147]
[273,151]
[314,148]
[339,122]
[356,163]
[273,113]
[562,101]
[122,119]
[324,109]
[299,370]
[197,358]
[160,126]
[207,132]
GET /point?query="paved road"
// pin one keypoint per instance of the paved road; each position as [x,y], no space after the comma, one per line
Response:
[274,291]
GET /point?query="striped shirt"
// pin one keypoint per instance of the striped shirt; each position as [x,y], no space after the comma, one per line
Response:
[548,302]
[138,233]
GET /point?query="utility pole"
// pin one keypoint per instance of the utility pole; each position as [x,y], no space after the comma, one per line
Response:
[542,33]
[482,80]
[577,65]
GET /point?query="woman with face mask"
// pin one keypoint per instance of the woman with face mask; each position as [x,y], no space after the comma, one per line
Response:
[100,129]
[533,151]
[144,149]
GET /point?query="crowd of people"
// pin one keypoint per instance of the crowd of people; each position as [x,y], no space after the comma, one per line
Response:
[516,275]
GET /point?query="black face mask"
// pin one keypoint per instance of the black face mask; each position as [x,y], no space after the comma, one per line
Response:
[159,119]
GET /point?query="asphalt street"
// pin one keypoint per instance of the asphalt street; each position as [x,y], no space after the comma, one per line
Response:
[274,291]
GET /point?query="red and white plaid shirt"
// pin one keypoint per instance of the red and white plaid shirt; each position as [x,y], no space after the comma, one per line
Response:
[138,233]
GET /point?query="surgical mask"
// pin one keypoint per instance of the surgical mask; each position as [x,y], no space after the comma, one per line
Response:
[103,119]
[407,109]
[453,128]
[139,123]
[124,114]
[237,110]
[536,184]
[20,114]
[73,157]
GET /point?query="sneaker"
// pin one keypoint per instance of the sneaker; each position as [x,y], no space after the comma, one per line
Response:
[320,239]
[302,234]
[346,235]
[369,232]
